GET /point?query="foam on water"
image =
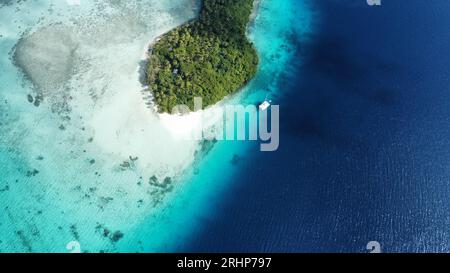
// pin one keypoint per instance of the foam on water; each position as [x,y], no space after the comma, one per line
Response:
[81,164]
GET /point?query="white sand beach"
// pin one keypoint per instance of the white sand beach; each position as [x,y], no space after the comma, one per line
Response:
[94,125]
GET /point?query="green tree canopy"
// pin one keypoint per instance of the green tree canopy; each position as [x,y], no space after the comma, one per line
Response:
[209,57]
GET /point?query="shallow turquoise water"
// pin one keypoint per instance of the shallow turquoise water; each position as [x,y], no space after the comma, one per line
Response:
[212,178]
[56,187]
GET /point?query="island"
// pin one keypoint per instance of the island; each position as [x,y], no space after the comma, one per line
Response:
[209,57]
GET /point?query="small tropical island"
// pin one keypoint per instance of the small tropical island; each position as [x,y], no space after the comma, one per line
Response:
[209,57]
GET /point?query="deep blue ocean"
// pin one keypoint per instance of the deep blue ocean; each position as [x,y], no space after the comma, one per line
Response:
[365,141]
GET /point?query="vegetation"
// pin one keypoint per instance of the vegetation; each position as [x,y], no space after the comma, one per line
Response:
[209,57]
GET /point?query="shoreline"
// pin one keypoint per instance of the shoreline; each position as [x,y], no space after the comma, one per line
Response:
[170,93]
[145,60]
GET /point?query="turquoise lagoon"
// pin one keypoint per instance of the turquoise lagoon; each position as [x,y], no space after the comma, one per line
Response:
[79,165]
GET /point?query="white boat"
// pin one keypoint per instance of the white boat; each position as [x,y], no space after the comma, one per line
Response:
[263,106]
